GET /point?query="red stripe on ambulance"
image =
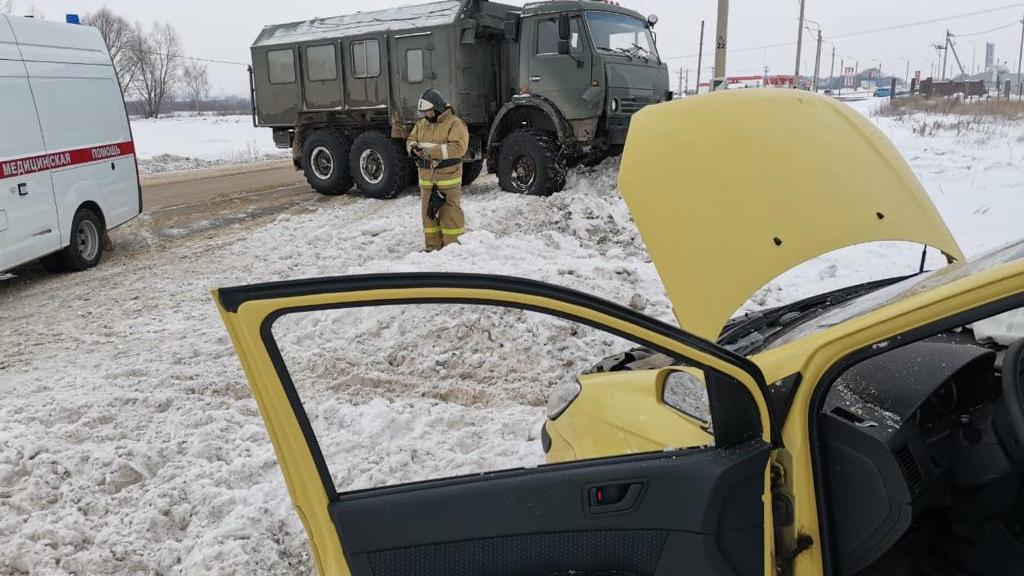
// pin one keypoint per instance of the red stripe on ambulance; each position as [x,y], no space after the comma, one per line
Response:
[64,159]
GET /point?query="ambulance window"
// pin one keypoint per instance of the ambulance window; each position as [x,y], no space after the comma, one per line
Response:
[18,117]
[282,66]
[414,65]
[61,102]
[321,63]
[365,59]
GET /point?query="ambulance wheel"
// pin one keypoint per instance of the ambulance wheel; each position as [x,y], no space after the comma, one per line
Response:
[530,162]
[379,165]
[86,247]
[325,161]
[471,171]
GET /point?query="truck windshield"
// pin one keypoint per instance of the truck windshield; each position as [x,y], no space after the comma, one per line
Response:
[621,33]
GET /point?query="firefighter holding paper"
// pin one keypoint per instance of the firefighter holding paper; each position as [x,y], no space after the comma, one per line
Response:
[438,142]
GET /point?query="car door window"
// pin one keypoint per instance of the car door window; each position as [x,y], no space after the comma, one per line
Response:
[321,63]
[414,65]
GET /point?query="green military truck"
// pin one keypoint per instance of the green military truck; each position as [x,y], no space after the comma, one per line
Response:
[542,88]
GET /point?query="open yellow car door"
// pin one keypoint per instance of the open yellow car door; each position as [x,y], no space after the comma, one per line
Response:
[731,190]
[699,511]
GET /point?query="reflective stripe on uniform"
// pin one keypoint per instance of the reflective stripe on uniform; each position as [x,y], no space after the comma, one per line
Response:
[441,183]
[452,231]
[432,230]
[444,151]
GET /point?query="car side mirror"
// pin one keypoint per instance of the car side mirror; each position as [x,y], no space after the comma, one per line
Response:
[684,390]
[564,34]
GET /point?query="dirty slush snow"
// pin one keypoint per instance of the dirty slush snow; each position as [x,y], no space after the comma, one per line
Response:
[129,441]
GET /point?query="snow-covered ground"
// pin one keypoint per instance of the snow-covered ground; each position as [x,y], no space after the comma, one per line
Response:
[186,142]
[129,442]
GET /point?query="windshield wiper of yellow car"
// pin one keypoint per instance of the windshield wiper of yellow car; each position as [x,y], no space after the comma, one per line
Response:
[753,331]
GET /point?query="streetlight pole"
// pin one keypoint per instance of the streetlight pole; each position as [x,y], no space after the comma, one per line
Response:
[799,45]
[721,42]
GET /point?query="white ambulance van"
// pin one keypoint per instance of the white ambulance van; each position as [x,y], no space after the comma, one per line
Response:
[67,161]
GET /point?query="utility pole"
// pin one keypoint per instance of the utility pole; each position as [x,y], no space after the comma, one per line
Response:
[945,54]
[686,84]
[906,80]
[842,75]
[721,44]
[680,80]
[799,45]
[1020,93]
[817,63]
[764,79]
[832,69]
[700,55]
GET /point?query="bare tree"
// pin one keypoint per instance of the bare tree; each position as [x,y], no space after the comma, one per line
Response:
[118,35]
[195,81]
[7,6]
[158,55]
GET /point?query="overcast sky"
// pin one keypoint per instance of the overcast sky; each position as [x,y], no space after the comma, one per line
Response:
[224,29]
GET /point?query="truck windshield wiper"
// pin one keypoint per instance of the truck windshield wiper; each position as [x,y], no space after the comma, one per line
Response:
[619,50]
[642,51]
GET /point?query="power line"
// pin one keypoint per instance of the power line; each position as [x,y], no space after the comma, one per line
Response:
[872,30]
[196,58]
[1004,27]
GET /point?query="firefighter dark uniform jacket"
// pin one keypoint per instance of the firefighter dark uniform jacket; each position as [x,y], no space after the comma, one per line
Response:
[443,144]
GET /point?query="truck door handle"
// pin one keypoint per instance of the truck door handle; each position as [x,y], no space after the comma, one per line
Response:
[22,189]
[613,497]
[534,78]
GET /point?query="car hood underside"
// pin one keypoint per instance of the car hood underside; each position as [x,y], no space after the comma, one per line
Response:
[732,189]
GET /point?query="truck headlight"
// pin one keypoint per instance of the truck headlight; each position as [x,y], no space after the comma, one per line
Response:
[562,397]
[615,104]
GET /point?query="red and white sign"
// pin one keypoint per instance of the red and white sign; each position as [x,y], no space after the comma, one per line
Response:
[64,159]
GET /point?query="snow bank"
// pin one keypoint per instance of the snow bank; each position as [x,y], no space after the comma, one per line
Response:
[129,442]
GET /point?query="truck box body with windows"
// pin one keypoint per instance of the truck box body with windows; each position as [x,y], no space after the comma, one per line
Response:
[542,87]
[67,159]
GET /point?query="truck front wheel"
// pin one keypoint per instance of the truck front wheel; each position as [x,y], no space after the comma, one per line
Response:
[529,162]
[325,161]
[379,165]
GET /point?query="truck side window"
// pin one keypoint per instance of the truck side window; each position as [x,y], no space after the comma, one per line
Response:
[321,63]
[414,65]
[282,66]
[547,36]
[365,59]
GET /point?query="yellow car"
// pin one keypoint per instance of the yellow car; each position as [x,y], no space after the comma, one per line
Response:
[874,430]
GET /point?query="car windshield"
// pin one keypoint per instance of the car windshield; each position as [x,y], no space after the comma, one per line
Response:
[901,290]
[618,32]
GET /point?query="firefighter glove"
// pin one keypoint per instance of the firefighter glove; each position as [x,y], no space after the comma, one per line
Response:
[437,200]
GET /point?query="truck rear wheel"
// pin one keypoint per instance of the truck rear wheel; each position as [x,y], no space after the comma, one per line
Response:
[471,171]
[379,165]
[530,163]
[325,161]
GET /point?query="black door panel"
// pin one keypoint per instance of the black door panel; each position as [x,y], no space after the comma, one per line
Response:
[540,521]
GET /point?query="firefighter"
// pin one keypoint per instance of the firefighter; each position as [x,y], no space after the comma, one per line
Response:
[438,142]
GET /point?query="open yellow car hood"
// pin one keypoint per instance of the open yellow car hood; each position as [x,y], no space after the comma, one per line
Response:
[730,190]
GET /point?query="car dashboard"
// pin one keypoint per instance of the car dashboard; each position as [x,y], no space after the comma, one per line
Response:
[906,432]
